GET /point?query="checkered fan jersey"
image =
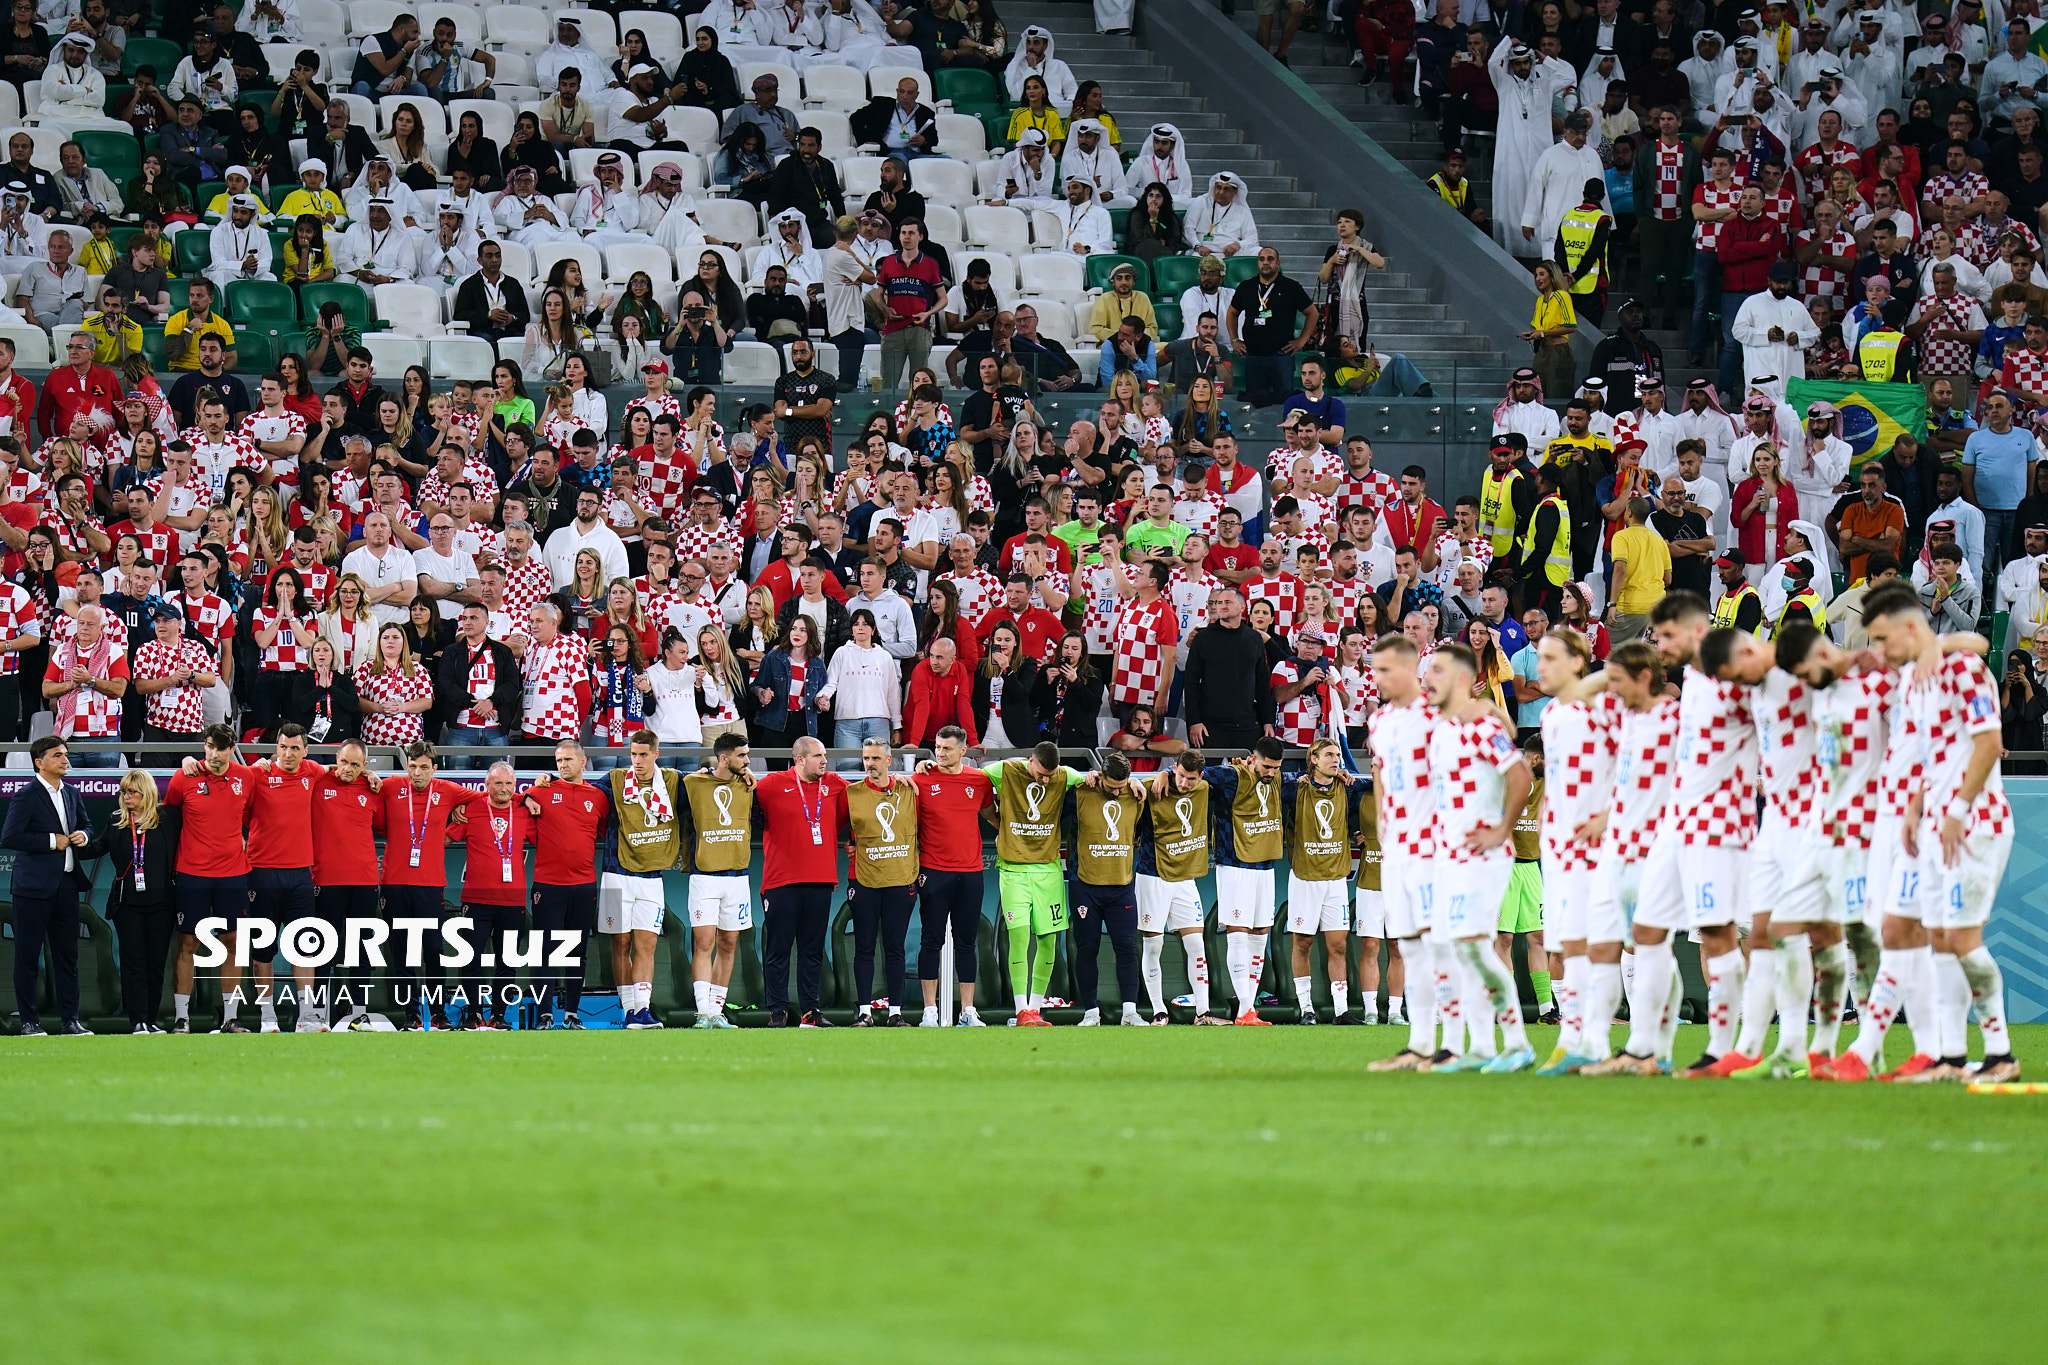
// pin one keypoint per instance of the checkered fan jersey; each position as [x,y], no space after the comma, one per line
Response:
[283,654]
[181,710]
[1826,281]
[1400,740]
[17,617]
[393,686]
[1667,170]
[1707,236]
[979,592]
[1376,490]
[1283,590]
[525,584]
[1959,313]
[1142,643]
[1302,717]
[552,673]
[1580,742]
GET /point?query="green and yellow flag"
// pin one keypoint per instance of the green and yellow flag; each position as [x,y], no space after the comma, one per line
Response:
[1873,415]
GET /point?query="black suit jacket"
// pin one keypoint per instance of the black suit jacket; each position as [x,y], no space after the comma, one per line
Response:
[870,122]
[31,820]
[451,684]
[471,308]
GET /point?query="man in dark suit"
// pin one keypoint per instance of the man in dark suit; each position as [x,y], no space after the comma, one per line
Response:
[46,827]
[478,687]
[490,301]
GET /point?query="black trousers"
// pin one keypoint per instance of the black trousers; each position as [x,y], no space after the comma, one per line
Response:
[1230,737]
[13,725]
[338,905]
[428,991]
[1096,908]
[950,898]
[797,916]
[489,924]
[145,937]
[570,908]
[53,919]
[883,910]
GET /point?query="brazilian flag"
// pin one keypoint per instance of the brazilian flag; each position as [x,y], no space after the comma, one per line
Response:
[1873,415]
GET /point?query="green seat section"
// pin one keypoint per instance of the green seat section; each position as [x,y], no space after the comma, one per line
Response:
[1173,276]
[1169,320]
[1238,269]
[191,251]
[355,304]
[964,86]
[1098,269]
[161,53]
[118,154]
[261,301]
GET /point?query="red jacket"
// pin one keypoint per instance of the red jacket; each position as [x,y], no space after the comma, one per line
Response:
[65,395]
[1040,629]
[778,579]
[935,702]
[1747,250]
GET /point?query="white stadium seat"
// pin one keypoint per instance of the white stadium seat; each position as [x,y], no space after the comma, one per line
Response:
[988,179]
[752,362]
[515,80]
[942,180]
[882,82]
[1055,318]
[584,254]
[413,310]
[942,221]
[835,135]
[366,17]
[664,33]
[280,56]
[31,344]
[689,163]
[599,30]
[962,137]
[787,84]
[729,220]
[835,87]
[517,26]
[1003,228]
[1002,269]
[47,141]
[518,261]
[497,118]
[1047,232]
[460,357]
[861,176]
[433,117]
[391,353]
[325,23]
[1058,273]
[695,128]
[621,261]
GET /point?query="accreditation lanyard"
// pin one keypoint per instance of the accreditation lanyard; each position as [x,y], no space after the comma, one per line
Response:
[816,817]
[418,827]
[137,838]
[504,843]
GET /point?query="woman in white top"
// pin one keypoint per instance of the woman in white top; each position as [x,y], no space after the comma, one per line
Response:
[348,625]
[864,686]
[671,687]
[719,681]
[1941,250]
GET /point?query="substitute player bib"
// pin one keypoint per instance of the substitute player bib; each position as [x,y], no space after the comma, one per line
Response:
[722,810]
[1106,836]
[1180,833]
[1255,818]
[1321,848]
[1028,813]
[884,834]
[1528,835]
[1369,855]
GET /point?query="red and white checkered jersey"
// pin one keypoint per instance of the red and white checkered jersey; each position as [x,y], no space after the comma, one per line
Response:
[558,431]
[1580,743]
[552,673]
[156,542]
[25,485]
[1141,643]
[1849,723]
[64,630]
[1347,593]
[1189,594]
[1782,706]
[1898,776]
[259,426]
[1400,737]
[483,680]
[98,715]
[1317,512]
[213,459]
[70,534]
[1968,186]
[1054,579]
[694,541]
[1781,205]
[1826,281]
[393,686]
[1713,788]
[1283,590]
[1469,761]
[525,584]
[1361,688]
[1962,314]
[1303,719]
[281,655]
[483,483]
[1098,616]
[207,615]
[1813,166]
[656,404]
[979,592]
[1198,513]
[1645,745]
[470,424]
[318,581]
[348,489]
[1376,490]
[1450,552]
[2024,370]
[181,710]
[667,485]
[17,617]
[706,448]
[1950,709]
[1325,462]
[480,542]
[1707,236]
[1667,181]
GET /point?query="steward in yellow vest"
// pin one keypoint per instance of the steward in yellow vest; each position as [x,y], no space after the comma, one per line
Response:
[1802,603]
[1582,251]
[1507,495]
[1886,356]
[1546,545]
[1739,606]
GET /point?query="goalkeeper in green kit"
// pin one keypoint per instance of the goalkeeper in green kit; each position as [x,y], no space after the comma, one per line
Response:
[1030,794]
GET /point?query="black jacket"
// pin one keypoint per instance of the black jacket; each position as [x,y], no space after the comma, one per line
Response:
[838,628]
[344,709]
[812,191]
[870,123]
[548,516]
[1021,713]
[451,685]
[471,308]
[159,862]
[1228,683]
[31,820]
[1069,721]
[345,165]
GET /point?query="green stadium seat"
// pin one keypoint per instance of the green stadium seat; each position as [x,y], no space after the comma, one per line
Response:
[118,154]
[160,53]
[261,300]
[277,241]
[1173,276]
[1238,269]
[115,94]
[965,86]
[995,124]
[1169,320]
[156,348]
[258,345]
[192,251]
[278,194]
[355,304]
[1097,270]
[1119,219]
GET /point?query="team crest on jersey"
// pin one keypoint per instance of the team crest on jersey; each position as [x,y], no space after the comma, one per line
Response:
[362,800]
[1502,745]
[235,785]
[589,806]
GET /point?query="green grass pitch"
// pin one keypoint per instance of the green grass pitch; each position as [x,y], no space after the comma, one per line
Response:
[994,1196]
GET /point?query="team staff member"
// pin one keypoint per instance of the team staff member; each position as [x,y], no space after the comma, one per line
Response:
[880,814]
[281,862]
[1030,793]
[572,815]
[1321,810]
[721,814]
[347,817]
[1173,852]
[643,840]
[799,810]
[142,847]
[48,835]
[1369,924]
[1106,820]
[496,827]
[1248,841]
[213,871]
[950,799]
[416,815]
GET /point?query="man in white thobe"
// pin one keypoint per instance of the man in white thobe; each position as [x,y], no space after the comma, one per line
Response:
[1817,461]
[1523,135]
[1557,184]
[1775,332]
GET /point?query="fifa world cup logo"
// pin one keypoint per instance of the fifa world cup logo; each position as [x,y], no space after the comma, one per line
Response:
[1259,790]
[721,797]
[1185,809]
[1112,821]
[885,816]
[1324,810]
[1033,795]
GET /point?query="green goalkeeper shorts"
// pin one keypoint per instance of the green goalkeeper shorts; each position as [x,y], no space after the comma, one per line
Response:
[1034,895]
[1521,910]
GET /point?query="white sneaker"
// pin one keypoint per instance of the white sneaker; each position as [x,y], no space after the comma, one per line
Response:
[269,1026]
[310,1026]
[1092,1019]
[931,1017]
[969,1019]
[1131,1017]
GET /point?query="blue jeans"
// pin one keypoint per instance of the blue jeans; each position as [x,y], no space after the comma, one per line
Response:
[1706,280]
[1997,545]
[369,91]
[111,758]
[481,736]
[851,734]
[1399,378]
[1267,378]
[1731,350]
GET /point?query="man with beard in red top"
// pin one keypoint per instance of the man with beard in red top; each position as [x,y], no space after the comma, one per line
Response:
[347,816]
[416,814]
[571,814]
[950,798]
[281,861]
[497,828]
[213,872]
[799,810]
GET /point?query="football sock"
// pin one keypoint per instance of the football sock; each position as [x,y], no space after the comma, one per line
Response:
[1041,970]
[1831,967]
[1758,994]
[1668,1017]
[1256,970]
[1628,972]
[1792,988]
[1340,997]
[1917,999]
[1571,1005]
[1951,1007]
[1020,964]
[1238,948]
[1449,998]
[181,1006]
[1475,1000]
[266,1010]
[1502,1000]
[718,999]
[1880,1006]
[1868,951]
[1724,990]
[1987,993]
[1419,984]
[1198,970]
[1654,968]
[1304,987]
[700,991]
[1155,986]
[1603,993]
[1544,995]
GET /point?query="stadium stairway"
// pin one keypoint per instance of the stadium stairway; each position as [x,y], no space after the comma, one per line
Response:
[1141,91]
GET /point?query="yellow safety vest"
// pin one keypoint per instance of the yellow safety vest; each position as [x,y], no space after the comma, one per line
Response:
[1577,231]
[1878,354]
[1557,566]
[1456,195]
[1497,508]
[1811,601]
[1730,606]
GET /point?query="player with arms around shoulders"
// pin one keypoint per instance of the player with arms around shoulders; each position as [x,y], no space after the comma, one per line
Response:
[1173,853]
[572,815]
[1249,838]
[1030,793]
[1482,784]
[1320,808]
[416,815]
[950,799]
[720,809]
[1399,733]
[213,871]
[1107,814]
[497,827]
[643,840]
[347,816]
[881,822]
